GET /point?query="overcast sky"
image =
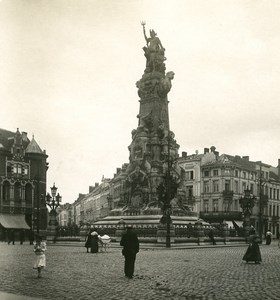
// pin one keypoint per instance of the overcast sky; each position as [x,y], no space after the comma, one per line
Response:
[68,71]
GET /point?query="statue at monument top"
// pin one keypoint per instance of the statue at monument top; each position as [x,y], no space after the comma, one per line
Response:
[154,51]
[153,42]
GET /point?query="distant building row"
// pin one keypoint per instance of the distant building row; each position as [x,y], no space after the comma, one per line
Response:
[213,184]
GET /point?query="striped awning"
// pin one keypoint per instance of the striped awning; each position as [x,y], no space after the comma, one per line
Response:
[13,221]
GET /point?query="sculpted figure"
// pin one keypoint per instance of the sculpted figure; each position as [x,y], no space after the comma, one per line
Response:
[154,51]
[166,84]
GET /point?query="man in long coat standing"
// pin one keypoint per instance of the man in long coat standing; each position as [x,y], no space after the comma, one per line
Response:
[130,244]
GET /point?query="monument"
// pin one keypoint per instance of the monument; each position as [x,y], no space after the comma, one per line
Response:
[151,191]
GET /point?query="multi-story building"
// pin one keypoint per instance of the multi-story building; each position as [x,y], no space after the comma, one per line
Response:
[224,180]
[23,168]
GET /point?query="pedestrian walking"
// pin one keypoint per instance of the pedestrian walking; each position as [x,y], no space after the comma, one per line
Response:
[21,236]
[11,236]
[253,251]
[88,240]
[130,244]
[40,257]
[268,237]
[211,236]
[31,237]
[94,242]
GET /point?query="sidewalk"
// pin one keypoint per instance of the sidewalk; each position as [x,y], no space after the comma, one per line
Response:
[8,296]
[157,246]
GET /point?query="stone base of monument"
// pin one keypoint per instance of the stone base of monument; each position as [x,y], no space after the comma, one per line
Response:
[162,234]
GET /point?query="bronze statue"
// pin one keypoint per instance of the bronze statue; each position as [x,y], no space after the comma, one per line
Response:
[154,52]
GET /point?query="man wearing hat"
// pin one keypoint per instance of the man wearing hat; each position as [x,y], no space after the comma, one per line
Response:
[130,244]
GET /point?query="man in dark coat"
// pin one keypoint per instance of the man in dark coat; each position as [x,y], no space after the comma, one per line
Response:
[130,244]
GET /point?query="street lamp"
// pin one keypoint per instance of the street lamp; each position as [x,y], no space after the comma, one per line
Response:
[53,201]
[263,199]
[247,203]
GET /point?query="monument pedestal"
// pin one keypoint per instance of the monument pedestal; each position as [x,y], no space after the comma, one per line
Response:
[162,234]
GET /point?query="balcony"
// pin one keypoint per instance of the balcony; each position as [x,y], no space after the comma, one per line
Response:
[227,195]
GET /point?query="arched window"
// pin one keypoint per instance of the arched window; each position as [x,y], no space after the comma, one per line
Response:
[6,191]
[17,192]
[28,193]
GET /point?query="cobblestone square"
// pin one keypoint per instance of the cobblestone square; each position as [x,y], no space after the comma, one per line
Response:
[202,273]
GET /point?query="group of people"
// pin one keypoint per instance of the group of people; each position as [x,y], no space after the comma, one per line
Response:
[129,242]
[92,241]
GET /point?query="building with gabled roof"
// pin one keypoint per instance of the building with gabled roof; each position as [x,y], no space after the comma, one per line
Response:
[23,169]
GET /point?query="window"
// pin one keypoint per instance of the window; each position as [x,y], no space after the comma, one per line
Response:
[17,191]
[28,193]
[189,175]
[243,187]
[252,188]
[227,172]
[215,205]
[227,186]
[6,191]
[206,173]
[236,173]
[226,206]
[244,174]
[206,187]
[206,205]
[215,186]
[215,172]
[190,191]
[236,186]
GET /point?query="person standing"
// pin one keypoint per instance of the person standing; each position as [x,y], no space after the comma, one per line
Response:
[268,238]
[21,236]
[211,236]
[40,258]
[130,244]
[94,242]
[88,240]
[253,251]
[11,236]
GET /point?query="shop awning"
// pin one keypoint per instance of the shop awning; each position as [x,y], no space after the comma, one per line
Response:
[13,221]
[238,223]
[229,223]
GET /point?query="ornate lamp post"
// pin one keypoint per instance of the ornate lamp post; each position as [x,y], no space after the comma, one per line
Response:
[247,203]
[53,201]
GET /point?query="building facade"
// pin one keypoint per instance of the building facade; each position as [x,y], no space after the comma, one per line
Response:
[23,170]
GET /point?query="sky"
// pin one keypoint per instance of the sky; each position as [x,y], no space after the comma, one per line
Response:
[68,71]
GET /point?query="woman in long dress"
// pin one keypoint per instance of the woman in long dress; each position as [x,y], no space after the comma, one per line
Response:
[253,251]
[88,240]
[94,242]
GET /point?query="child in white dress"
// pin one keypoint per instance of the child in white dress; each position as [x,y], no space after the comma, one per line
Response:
[40,257]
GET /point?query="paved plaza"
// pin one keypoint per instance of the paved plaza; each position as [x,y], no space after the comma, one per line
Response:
[202,273]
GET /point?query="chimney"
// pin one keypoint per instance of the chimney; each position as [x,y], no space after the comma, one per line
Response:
[184,154]
[206,150]
[213,148]
[118,170]
[216,153]
[24,136]
[245,158]
[90,189]
[96,184]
